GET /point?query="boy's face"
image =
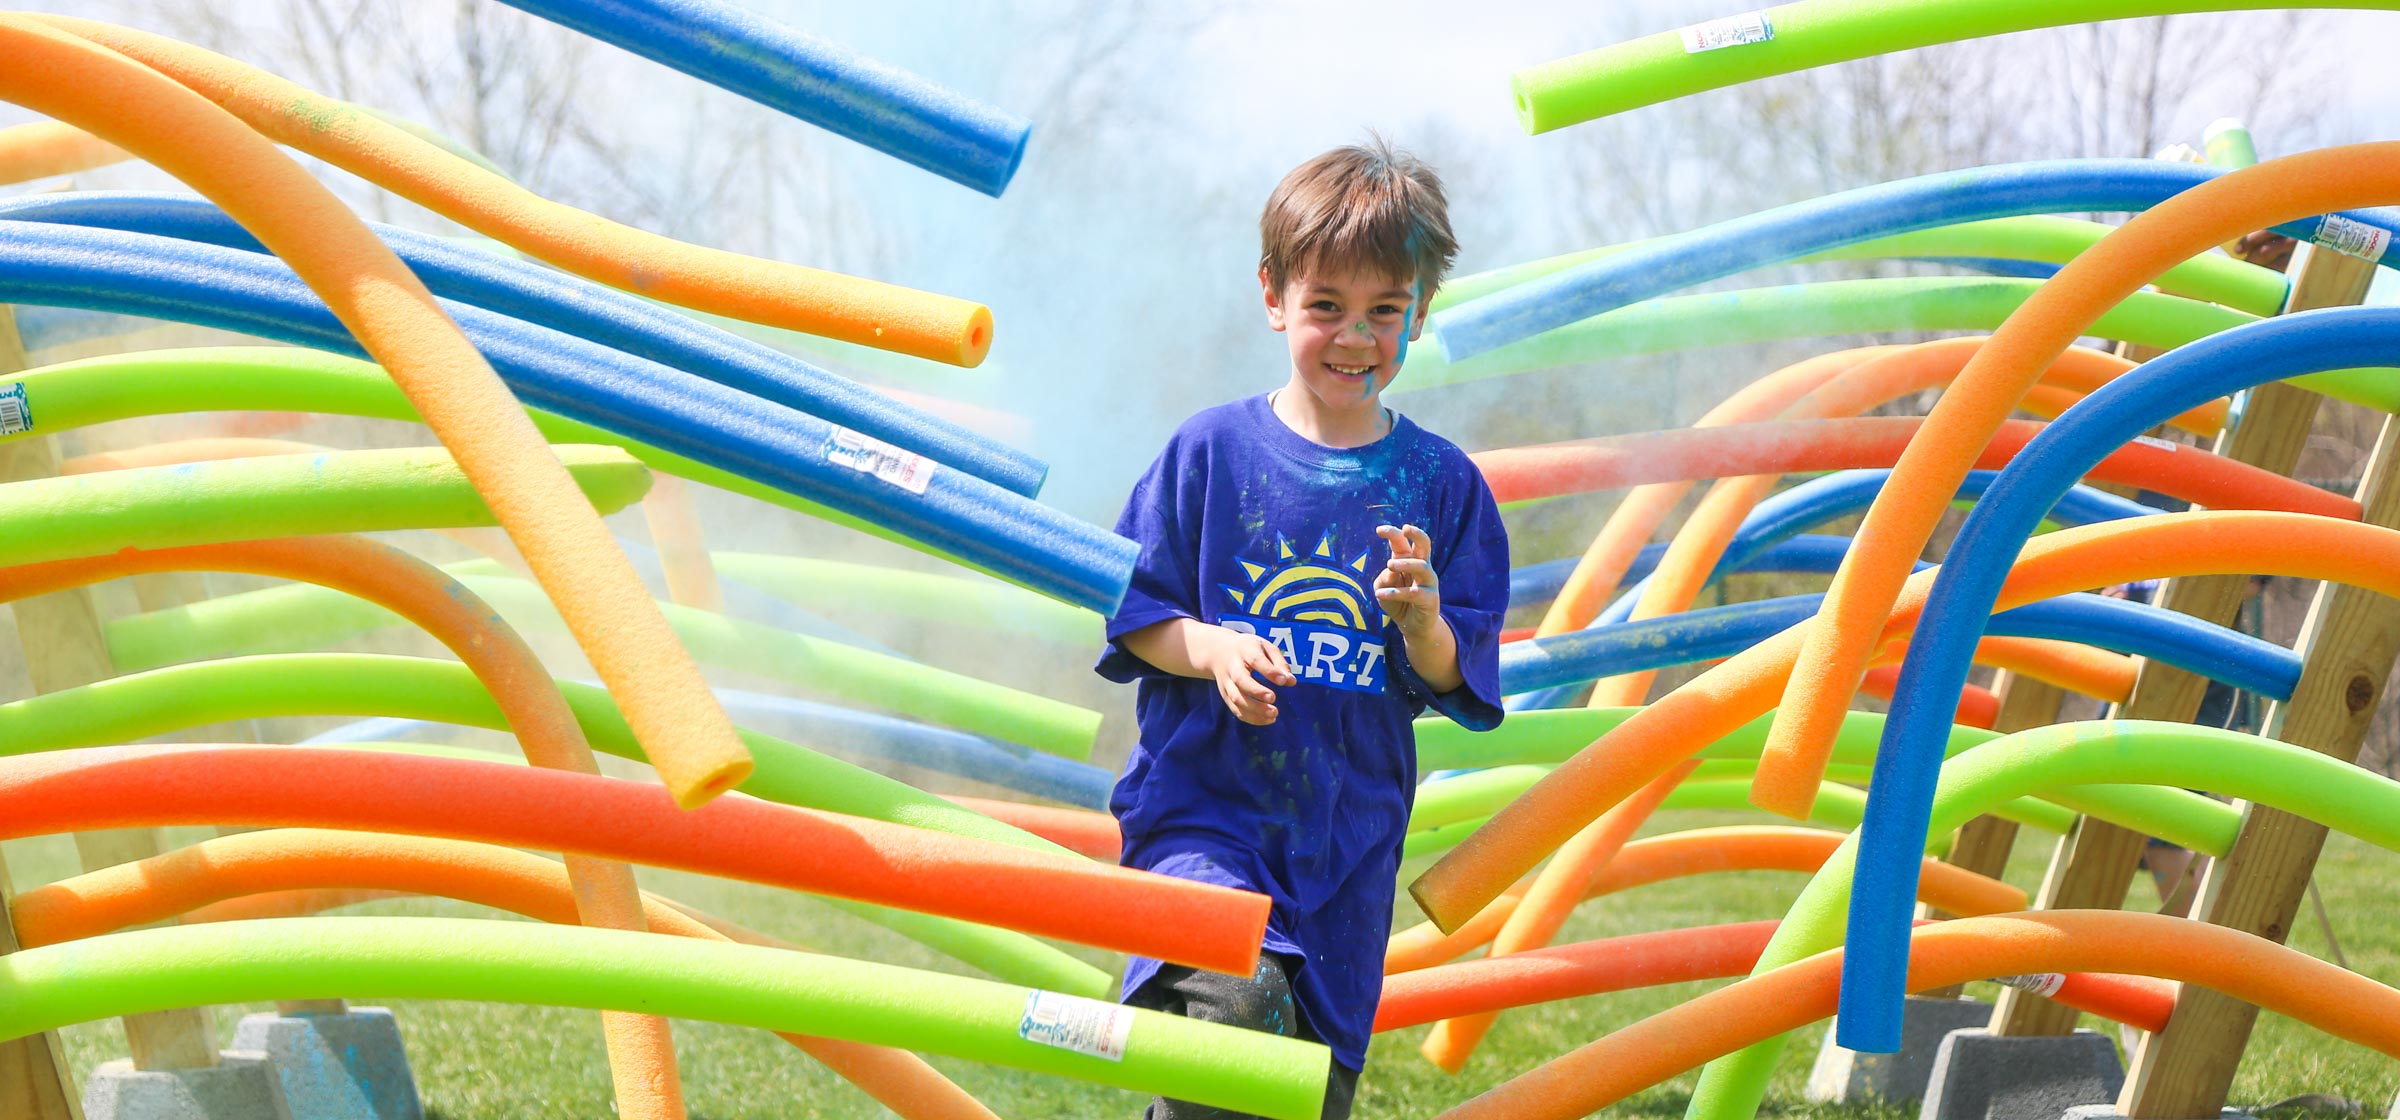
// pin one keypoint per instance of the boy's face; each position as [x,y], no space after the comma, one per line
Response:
[1349,331]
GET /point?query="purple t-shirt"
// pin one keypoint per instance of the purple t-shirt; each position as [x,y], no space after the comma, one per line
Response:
[1245,524]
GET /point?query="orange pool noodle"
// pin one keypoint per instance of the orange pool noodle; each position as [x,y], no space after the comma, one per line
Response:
[1701,851]
[2252,969]
[1786,446]
[789,296]
[45,148]
[641,1048]
[677,719]
[1748,684]
[303,868]
[738,837]
[1837,644]
[682,548]
[1078,830]
[1977,706]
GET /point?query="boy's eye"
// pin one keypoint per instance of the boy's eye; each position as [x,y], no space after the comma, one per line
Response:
[1388,309]
[1324,305]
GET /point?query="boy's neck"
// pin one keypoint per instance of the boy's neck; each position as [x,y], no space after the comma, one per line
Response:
[1314,420]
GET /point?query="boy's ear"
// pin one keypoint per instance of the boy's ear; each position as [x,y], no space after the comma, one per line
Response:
[1418,312]
[1266,287]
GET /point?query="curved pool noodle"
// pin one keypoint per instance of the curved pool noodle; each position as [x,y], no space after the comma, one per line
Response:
[2250,968]
[289,379]
[1810,552]
[2213,651]
[1048,895]
[143,705]
[681,547]
[745,435]
[570,305]
[393,317]
[1081,831]
[1805,35]
[1834,646]
[1772,236]
[1998,266]
[1746,685]
[288,860]
[745,985]
[641,1050]
[1698,851]
[41,149]
[280,496]
[1977,706]
[2315,786]
[291,619]
[1787,446]
[776,294]
[939,597]
[1839,806]
[1996,528]
[1645,960]
[828,85]
[1824,309]
[2020,244]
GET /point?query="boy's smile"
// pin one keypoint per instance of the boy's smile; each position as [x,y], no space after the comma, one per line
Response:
[1348,334]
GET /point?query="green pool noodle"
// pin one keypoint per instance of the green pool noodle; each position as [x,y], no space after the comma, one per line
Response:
[1479,794]
[293,379]
[2295,779]
[1837,805]
[2228,144]
[276,496]
[301,617]
[685,978]
[1809,34]
[2213,277]
[138,706]
[923,596]
[1843,307]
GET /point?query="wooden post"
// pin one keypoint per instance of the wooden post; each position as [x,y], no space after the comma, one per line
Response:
[2095,864]
[64,648]
[2347,646]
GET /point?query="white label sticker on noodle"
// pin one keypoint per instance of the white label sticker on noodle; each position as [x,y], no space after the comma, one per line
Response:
[2342,235]
[15,415]
[1731,31]
[2161,444]
[2044,984]
[1086,1026]
[867,455]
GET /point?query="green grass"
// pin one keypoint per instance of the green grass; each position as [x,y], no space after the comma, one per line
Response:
[504,1062]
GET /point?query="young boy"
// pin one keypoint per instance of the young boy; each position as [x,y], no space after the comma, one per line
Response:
[1316,571]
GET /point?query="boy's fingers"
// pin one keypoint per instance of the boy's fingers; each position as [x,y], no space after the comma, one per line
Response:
[1422,570]
[1268,659]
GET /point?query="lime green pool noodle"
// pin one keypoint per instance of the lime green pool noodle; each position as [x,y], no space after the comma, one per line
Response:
[2297,780]
[277,496]
[1553,735]
[2214,277]
[1809,34]
[686,978]
[301,617]
[1479,794]
[924,596]
[141,705]
[292,379]
[2228,144]
[1837,805]
[1840,307]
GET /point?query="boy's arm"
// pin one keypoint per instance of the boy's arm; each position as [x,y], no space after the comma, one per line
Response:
[1411,595]
[1188,647]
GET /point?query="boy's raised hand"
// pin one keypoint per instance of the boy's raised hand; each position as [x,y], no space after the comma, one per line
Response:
[1408,589]
[1236,661]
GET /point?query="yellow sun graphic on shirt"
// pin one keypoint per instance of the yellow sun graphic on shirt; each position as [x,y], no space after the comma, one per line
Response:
[1315,587]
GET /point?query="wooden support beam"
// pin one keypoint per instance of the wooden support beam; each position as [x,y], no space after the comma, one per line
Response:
[2095,864]
[2348,646]
[64,648]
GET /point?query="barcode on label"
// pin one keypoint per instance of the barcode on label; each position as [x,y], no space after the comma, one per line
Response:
[15,415]
[867,455]
[1731,31]
[1086,1026]
[2044,984]
[2358,239]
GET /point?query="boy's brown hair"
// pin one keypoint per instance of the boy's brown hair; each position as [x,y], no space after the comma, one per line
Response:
[1363,206]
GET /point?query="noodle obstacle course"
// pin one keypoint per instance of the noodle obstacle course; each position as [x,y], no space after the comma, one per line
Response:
[594,368]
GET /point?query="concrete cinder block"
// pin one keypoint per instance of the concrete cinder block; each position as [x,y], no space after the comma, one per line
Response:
[240,1087]
[1847,1076]
[337,1067]
[1978,1075]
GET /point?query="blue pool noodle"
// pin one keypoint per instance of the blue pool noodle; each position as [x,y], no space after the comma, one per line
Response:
[823,83]
[1786,232]
[573,305]
[958,514]
[1908,763]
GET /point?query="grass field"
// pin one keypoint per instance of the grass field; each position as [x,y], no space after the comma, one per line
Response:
[503,1062]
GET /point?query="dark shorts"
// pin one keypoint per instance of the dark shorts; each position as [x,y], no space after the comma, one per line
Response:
[1262,1002]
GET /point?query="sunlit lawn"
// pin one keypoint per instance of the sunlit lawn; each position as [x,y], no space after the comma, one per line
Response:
[479,1061]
